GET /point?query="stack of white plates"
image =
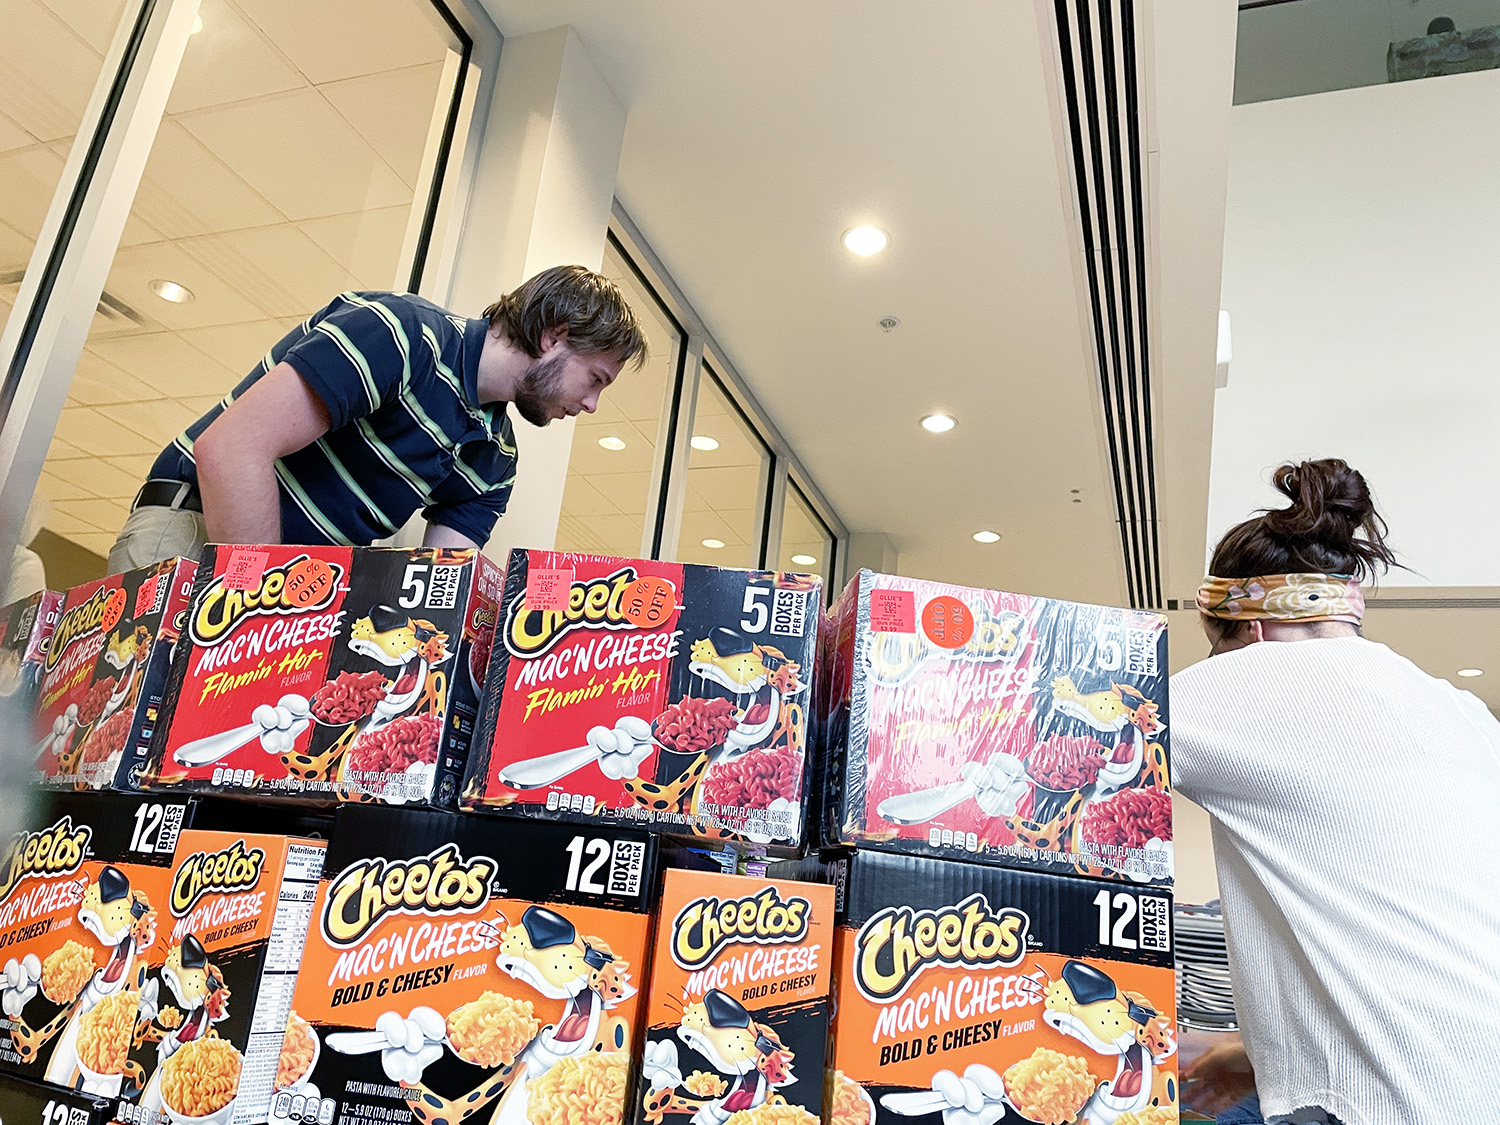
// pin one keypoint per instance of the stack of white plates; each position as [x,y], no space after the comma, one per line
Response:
[1205,998]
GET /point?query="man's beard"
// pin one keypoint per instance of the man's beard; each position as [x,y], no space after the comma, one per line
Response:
[537,395]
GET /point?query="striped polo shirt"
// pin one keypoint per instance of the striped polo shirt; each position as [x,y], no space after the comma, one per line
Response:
[399,377]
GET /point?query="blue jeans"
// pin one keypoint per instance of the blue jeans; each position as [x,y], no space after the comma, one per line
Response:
[1248,1112]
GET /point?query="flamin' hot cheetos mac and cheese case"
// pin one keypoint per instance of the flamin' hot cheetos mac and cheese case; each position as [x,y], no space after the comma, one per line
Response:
[737,1019]
[469,969]
[104,673]
[83,907]
[997,728]
[670,696]
[328,674]
[214,1010]
[1015,998]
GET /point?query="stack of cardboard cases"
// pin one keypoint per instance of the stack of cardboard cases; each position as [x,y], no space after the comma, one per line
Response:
[717,858]
[677,699]
[149,963]
[994,786]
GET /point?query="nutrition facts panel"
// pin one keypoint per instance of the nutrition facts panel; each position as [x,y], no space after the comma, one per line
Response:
[273,1003]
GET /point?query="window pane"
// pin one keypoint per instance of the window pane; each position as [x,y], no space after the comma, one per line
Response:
[806,542]
[608,489]
[727,467]
[284,172]
[50,58]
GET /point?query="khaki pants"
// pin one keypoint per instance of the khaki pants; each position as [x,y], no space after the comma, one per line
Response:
[152,533]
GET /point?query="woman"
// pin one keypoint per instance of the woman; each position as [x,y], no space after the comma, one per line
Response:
[1356,820]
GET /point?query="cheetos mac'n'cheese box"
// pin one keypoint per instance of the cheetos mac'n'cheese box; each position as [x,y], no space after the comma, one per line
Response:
[25,628]
[737,1017]
[328,674]
[104,673]
[469,969]
[83,907]
[670,696]
[214,1012]
[996,728]
[1019,997]
[36,1103]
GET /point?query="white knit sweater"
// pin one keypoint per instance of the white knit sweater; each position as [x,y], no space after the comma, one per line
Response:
[1356,823]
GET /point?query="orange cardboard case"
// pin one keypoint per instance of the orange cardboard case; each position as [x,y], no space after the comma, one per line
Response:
[1024,997]
[467,969]
[212,1020]
[83,893]
[738,1012]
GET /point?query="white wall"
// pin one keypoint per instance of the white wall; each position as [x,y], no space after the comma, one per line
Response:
[1362,275]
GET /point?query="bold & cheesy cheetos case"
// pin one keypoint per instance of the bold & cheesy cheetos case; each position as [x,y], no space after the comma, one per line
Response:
[83,909]
[328,674]
[469,969]
[670,696]
[36,1103]
[1015,997]
[214,1011]
[737,1018]
[104,673]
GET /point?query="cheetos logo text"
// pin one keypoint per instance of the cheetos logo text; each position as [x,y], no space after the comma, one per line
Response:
[599,603]
[59,850]
[236,868]
[899,943]
[366,892]
[78,622]
[706,925]
[303,585]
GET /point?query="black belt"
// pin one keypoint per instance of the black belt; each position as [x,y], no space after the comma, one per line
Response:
[161,493]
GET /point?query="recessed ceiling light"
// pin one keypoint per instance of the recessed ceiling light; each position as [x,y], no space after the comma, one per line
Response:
[611,442]
[865,241]
[197,25]
[1468,673]
[171,291]
[703,442]
[713,544]
[986,537]
[938,423]
[803,560]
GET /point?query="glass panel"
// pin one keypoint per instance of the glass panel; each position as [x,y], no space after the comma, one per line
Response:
[284,172]
[1285,50]
[727,466]
[50,59]
[608,489]
[806,542]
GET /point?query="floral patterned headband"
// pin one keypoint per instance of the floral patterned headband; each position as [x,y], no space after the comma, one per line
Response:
[1283,597]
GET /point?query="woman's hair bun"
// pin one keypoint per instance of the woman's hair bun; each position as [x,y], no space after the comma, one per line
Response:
[1320,490]
[1331,526]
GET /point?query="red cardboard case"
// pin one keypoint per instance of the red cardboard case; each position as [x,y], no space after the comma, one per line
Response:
[328,673]
[996,727]
[670,696]
[104,674]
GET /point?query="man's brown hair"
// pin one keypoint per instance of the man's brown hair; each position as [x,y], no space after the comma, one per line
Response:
[591,307]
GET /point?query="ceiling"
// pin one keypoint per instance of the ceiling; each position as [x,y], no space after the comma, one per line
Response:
[940,126]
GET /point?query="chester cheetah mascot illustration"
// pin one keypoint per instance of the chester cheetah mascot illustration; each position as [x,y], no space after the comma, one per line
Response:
[123,919]
[198,986]
[546,952]
[721,1030]
[1085,1004]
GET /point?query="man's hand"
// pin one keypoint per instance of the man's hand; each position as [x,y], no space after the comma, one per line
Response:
[1218,1079]
[236,455]
[437,535]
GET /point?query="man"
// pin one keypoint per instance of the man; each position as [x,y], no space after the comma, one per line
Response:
[380,404]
